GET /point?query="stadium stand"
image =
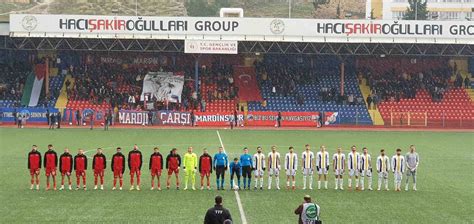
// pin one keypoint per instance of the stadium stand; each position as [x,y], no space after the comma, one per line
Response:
[289,86]
[13,79]
[431,93]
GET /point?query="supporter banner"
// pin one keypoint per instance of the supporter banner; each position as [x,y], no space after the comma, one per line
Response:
[268,118]
[164,117]
[133,117]
[241,29]
[210,47]
[163,86]
[138,60]
[330,118]
[216,119]
[34,115]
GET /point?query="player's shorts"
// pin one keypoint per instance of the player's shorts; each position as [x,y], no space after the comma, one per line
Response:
[290,172]
[155,172]
[65,173]
[220,170]
[339,172]
[189,172]
[50,171]
[398,176]
[258,173]
[171,171]
[383,175]
[135,171]
[118,173]
[80,173]
[353,173]
[205,173]
[308,171]
[411,173]
[323,171]
[246,171]
[275,172]
[236,174]
[99,173]
[34,171]
[367,173]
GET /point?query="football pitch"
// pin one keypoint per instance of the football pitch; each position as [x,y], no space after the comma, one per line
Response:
[445,178]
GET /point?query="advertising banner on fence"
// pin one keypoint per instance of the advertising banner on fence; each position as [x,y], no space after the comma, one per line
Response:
[253,118]
[216,118]
[330,118]
[35,115]
[268,118]
[133,117]
[210,47]
[164,117]
[163,86]
[84,116]
[241,29]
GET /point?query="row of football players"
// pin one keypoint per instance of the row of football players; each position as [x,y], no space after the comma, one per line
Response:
[358,165]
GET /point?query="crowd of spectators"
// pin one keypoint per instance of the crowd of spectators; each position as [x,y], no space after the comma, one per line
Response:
[284,75]
[393,86]
[12,80]
[109,83]
[220,76]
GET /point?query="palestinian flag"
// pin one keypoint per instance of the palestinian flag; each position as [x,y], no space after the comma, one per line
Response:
[32,89]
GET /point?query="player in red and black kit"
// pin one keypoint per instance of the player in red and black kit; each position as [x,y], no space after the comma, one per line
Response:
[65,167]
[135,161]
[205,168]
[118,167]
[50,164]
[80,166]
[99,164]
[34,165]
[155,166]
[173,162]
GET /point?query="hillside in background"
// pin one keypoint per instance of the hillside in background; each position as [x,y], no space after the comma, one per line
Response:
[252,8]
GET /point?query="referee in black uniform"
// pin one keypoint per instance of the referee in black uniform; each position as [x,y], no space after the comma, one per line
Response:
[218,214]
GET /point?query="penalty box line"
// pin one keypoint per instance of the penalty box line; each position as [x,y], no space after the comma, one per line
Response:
[237,196]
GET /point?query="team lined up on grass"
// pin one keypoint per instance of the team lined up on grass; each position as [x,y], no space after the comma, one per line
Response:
[359,167]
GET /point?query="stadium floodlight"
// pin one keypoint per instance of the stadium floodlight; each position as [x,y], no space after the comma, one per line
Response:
[231,12]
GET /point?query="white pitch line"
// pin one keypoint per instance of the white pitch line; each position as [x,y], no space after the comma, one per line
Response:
[237,196]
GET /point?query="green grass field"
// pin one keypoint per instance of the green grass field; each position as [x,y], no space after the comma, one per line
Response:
[445,179]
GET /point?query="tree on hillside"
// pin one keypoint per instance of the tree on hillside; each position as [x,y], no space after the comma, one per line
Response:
[417,10]
[204,7]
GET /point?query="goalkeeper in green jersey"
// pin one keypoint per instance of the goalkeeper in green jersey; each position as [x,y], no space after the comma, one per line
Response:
[190,167]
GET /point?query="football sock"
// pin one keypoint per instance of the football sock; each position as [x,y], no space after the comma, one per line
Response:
[217,182]
[349,182]
[319,184]
[269,181]
[277,181]
[261,181]
[245,182]
[310,181]
[325,184]
[304,181]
